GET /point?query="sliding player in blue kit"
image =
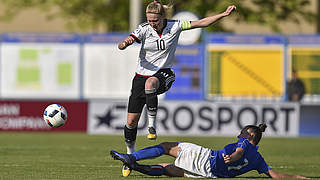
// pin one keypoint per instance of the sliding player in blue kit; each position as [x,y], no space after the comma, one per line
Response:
[196,161]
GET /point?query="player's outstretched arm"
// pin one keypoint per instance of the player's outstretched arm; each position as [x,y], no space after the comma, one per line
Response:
[276,175]
[127,42]
[205,22]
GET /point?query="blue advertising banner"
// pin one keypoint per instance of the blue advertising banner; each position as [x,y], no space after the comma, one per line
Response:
[189,72]
[304,39]
[245,39]
[105,38]
[40,38]
[309,120]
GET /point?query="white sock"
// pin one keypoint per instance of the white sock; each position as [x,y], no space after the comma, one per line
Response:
[152,120]
[130,147]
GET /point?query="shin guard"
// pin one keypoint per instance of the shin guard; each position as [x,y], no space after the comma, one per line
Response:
[130,135]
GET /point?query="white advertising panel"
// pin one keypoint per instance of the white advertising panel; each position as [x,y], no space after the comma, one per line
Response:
[40,70]
[198,118]
[108,72]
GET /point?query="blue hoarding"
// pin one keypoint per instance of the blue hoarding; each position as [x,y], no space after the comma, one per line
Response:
[189,72]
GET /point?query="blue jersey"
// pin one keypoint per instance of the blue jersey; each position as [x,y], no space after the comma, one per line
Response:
[250,160]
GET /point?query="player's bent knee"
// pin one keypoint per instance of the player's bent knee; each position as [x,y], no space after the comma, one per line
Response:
[151,83]
[168,146]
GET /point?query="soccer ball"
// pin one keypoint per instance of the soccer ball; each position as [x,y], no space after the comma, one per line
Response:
[55,115]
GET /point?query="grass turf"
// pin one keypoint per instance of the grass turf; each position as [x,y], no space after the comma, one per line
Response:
[76,156]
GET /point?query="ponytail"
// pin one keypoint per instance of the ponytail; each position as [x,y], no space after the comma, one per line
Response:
[262,127]
[257,130]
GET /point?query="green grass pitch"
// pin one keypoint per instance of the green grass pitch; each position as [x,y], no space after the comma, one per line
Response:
[76,156]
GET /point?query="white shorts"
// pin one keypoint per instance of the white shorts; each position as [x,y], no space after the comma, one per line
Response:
[194,160]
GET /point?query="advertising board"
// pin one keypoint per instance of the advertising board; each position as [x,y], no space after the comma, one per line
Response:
[245,66]
[40,66]
[189,71]
[107,70]
[28,116]
[198,118]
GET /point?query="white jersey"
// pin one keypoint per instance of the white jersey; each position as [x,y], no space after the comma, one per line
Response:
[157,51]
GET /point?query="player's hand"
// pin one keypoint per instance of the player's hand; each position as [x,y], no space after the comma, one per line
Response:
[301,177]
[226,158]
[229,10]
[128,41]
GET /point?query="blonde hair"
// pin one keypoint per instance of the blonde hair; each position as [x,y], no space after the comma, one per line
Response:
[156,7]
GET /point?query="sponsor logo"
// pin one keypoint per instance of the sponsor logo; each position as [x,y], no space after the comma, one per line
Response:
[206,118]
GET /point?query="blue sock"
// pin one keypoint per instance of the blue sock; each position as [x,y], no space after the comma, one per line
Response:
[149,152]
[151,170]
[156,170]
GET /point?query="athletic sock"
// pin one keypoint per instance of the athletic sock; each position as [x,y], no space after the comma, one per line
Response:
[152,106]
[149,152]
[151,170]
[130,135]
[130,146]
[151,120]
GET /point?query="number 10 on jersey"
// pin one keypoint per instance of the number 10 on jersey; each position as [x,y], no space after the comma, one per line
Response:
[160,44]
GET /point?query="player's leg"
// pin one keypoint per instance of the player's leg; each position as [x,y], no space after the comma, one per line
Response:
[130,134]
[171,148]
[130,131]
[191,160]
[151,86]
[173,171]
[135,106]
[168,148]
[146,153]
[159,170]
[155,85]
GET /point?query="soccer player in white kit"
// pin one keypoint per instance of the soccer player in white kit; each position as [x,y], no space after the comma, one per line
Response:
[159,38]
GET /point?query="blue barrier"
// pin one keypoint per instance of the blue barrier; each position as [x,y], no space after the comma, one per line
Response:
[245,39]
[40,37]
[189,74]
[309,120]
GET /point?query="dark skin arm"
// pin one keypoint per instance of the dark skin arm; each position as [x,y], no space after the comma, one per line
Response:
[276,175]
[234,156]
